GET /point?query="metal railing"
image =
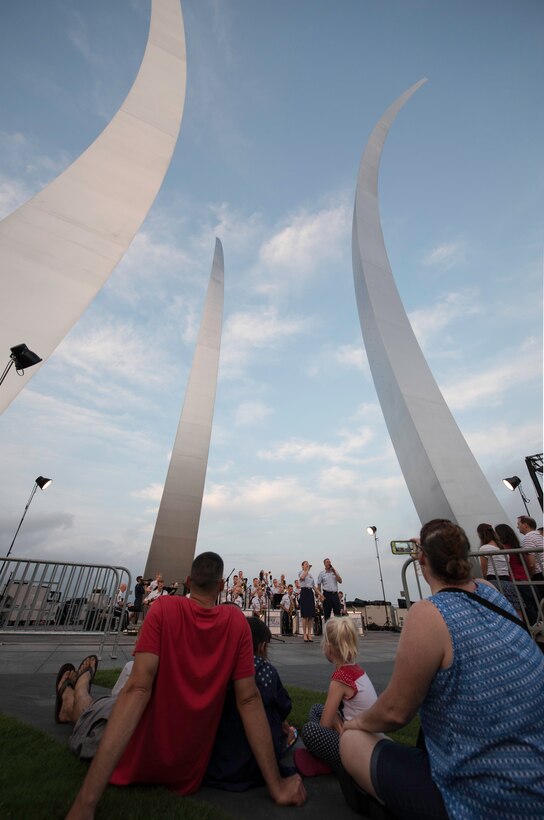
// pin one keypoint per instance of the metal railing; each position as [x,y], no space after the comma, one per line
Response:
[56,597]
[529,593]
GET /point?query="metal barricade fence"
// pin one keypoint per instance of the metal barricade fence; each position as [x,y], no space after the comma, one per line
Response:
[529,593]
[56,597]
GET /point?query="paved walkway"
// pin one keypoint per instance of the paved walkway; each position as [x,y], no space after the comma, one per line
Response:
[27,677]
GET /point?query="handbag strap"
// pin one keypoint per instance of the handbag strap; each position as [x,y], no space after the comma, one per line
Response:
[488,604]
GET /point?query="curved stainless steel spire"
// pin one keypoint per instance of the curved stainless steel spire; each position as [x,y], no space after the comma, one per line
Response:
[440,471]
[58,249]
[174,540]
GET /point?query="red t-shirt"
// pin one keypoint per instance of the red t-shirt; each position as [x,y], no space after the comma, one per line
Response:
[200,650]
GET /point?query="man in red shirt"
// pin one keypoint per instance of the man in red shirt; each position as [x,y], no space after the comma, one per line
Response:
[163,722]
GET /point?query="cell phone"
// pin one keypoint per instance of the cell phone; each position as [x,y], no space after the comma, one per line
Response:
[403,547]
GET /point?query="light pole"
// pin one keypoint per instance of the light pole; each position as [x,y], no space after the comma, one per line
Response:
[373,531]
[43,484]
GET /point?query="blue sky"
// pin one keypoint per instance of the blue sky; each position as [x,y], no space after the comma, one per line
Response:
[281,98]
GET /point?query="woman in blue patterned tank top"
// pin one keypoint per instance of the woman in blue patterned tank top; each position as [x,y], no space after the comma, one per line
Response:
[465,662]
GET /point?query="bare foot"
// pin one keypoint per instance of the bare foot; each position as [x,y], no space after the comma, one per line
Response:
[66,687]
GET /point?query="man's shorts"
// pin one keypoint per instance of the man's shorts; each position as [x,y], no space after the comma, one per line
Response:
[90,726]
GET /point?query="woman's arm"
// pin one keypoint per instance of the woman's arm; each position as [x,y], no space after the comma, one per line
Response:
[483,565]
[424,647]
[337,692]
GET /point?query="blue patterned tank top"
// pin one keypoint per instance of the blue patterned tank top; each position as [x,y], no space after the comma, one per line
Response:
[483,716]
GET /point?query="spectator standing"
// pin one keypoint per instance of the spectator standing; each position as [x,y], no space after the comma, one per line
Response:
[496,567]
[522,568]
[327,583]
[532,538]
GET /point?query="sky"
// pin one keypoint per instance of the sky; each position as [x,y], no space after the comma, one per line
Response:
[281,98]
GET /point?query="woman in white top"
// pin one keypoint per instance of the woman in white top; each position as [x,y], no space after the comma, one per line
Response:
[496,566]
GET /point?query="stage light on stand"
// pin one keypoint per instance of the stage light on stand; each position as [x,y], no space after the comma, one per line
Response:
[22,358]
[513,483]
[43,484]
[372,531]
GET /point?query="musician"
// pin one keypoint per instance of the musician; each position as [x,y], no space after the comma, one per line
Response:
[327,581]
[236,592]
[287,606]
[277,593]
[258,605]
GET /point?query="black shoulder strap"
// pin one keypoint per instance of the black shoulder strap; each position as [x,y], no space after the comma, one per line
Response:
[488,604]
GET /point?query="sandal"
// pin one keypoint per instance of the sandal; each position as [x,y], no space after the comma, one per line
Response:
[60,689]
[294,738]
[91,669]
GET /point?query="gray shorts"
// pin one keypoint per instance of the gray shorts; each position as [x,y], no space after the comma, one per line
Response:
[90,726]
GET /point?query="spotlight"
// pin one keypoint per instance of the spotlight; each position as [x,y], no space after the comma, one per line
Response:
[515,482]
[22,358]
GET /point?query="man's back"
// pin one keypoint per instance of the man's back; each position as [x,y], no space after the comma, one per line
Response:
[200,649]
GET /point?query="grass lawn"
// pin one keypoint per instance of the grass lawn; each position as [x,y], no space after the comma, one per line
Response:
[39,777]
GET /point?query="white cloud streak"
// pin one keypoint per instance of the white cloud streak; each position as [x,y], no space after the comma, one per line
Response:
[302,247]
[301,450]
[249,331]
[490,385]
[429,322]
[445,256]
[251,413]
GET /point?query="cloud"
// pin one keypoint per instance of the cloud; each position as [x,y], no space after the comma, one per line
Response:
[13,193]
[303,246]
[153,492]
[346,356]
[267,498]
[237,231]
[504,439]
[301,450]
[248,331]
[428,322]
[516,367]
[84,424]
[153,258]
[119,351]
[445,256]
[30,169]
[250,413]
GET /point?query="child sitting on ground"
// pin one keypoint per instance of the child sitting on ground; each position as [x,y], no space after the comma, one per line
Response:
[350,693]
[232,766]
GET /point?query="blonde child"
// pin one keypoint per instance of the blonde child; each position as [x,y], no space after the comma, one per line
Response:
[350,693]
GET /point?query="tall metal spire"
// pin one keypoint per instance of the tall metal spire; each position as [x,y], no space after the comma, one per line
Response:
[441,473]
[174,539]
[58,249]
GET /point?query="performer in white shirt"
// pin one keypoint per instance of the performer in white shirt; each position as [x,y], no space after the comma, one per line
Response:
[327,582]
